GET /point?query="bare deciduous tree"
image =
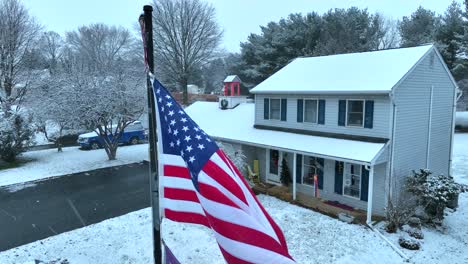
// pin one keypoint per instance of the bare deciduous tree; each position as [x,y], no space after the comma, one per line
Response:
[391,37]
[186,36]
[105,82]
[51,44]
[18,34]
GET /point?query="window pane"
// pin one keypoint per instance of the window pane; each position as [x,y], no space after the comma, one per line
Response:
[352,180]
[355,106]
[310,111]
[274,161]
[275,109]
[355,113]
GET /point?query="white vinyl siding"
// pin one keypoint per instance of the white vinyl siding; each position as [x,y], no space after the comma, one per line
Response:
[381,124]
[412,99]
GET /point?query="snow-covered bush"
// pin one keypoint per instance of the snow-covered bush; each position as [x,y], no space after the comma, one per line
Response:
[433,192]
[236,155]
[408,242]
[15,135]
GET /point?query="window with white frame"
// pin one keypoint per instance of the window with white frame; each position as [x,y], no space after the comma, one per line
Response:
[275,109]
[352,180]
[355,113]
[310,167]
[310,111]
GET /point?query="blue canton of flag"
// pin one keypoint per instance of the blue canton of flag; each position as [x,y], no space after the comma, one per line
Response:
[181,135]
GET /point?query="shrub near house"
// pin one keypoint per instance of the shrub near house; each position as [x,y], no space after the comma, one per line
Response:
[133,134]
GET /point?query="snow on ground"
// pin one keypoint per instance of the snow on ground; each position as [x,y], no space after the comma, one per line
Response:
[40,139]
[311,237]
[460,158]
[49,163]
[448,245]
[461,119]
[126,239]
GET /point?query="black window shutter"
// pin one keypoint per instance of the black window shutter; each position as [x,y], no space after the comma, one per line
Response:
[369,115]
[342,113]
[364,184]
[300,110]
[339,166]
[299,168]
[284,106]
[321,112]
[320,172]
[266,108]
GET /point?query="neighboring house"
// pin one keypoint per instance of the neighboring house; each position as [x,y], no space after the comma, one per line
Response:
[194,89]
[362,122]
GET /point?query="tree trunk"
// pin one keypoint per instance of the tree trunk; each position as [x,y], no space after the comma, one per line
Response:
[183,84]
[59,141]
[112,153]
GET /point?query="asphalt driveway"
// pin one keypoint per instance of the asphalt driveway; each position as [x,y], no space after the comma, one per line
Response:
[65,203]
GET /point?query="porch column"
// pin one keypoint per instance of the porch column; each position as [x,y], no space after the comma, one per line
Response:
[370,194]
[294,175]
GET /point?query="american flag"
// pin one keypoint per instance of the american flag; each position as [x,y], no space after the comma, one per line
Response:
[201,185]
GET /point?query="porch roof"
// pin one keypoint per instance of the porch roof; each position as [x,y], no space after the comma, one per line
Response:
[237,125]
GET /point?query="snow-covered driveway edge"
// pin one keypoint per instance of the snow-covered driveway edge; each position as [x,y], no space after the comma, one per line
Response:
[47,164]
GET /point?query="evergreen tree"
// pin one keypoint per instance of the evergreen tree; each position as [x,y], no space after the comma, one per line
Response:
[337,31]
[420,28]
[285,176]
[449,35]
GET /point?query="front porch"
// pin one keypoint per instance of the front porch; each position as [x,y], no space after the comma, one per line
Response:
[317,204]
[330,185]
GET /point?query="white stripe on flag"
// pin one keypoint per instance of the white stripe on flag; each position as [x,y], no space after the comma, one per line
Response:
[250,253]
[177,183]
[231,214]
[254,210]
[183,206]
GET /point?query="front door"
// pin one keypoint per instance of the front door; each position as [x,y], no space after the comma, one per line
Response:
[274,163]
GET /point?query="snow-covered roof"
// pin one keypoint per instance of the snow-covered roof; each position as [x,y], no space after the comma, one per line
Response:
[366,72]
[237,125]
[232,78]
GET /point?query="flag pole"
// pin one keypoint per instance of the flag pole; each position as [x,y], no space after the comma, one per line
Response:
[146,21]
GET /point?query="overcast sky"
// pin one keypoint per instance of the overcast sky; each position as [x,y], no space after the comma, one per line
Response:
[238,18]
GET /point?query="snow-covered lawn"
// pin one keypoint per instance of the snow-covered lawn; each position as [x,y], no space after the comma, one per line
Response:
[49,163]
[312,237]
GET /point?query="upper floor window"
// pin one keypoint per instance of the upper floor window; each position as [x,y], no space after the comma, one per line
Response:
[355,115]
[310,111]
[274,108]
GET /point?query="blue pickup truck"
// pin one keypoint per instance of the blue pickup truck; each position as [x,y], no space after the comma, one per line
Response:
[132,135]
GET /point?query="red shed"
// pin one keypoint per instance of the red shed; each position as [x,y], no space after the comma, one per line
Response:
[232,81]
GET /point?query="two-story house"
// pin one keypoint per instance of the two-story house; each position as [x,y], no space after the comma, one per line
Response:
[361,122]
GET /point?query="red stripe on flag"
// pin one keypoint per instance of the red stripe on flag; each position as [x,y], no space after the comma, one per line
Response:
[219,175]
[246,235]
[276,228]
[231,259]
[176,171]
[186,217]
[180,194]
[214,194]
